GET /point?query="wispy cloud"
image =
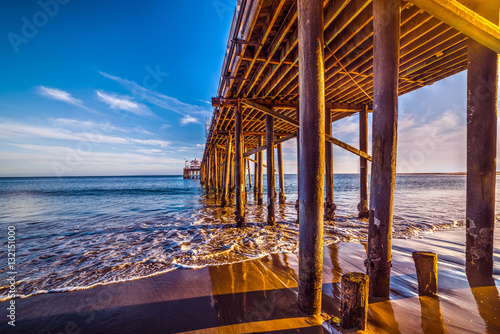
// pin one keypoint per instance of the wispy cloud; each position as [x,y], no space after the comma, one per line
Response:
[188,120]
[346,126]
[77,124]
[61,95]
[124,102]
[158,99]
[21,131]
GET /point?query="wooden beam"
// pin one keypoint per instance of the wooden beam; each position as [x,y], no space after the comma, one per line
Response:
[329,205]
[227,169]
[363,166]
[386,25]
[482,92]
[263,147]
[464,20]
[281,174]
[260,171]
[270,112]
[271,194]
[348,147]
[239,167]
[312,154]
[292,105]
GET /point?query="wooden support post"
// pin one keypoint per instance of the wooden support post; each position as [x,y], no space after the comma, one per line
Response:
[281,174]
[260,173]
[297,206]
[312,153]
[271,194]
[249,175]
[426,264]
[227,169]
[255,176]
[363,164]
[239,166]
[386,25]
[482,91]
[216,172]
[354,300]
[208,167]
[330,207]
[233,177]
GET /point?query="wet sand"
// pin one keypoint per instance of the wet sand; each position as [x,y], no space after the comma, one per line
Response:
[260,296]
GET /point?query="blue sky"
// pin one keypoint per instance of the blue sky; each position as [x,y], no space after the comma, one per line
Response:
[122,88]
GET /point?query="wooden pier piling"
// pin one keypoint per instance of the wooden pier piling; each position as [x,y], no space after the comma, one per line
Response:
[354,301]
[312,153]
[363,164]
[427,272]
[227,168]
[215,173]
[255,176]
[386,28]
[260,172]
[239,166]
[330,207]
[271,179]
[281,173]
[482,92]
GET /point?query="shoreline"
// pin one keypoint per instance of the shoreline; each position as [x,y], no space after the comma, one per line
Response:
[260,294]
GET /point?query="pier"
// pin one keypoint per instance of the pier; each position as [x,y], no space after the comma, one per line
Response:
[293,68]
[191,169]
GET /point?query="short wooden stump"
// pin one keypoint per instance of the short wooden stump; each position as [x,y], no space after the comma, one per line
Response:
[426,265]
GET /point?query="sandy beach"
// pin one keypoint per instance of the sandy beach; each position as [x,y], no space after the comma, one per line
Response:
[260,296]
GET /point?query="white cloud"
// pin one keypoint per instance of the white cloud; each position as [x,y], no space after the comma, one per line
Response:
[77,124]
[345,126]
[123,102]
[188,120]
[158,99]
[10,131]
[60,95]
[94,162]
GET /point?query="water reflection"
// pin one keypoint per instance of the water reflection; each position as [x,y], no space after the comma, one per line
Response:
[487,299]
[431,316]
[249,292]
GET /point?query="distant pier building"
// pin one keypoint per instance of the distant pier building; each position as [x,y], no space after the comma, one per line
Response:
[192,169]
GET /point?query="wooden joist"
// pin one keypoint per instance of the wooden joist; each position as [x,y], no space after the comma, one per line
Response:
[464,20]
[285,104]
[263,147]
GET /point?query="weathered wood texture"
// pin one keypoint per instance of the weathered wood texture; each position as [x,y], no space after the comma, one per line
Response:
[227,169]
[476,26]
[427,272]
[239,168]
[271,193]
[312,154]
[330,207]
[281,174]
[354,300]
[386,17]
[363,165]
[260,175]
[255,175]
[482,92]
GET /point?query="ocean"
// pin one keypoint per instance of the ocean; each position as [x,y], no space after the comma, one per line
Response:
[77,232]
